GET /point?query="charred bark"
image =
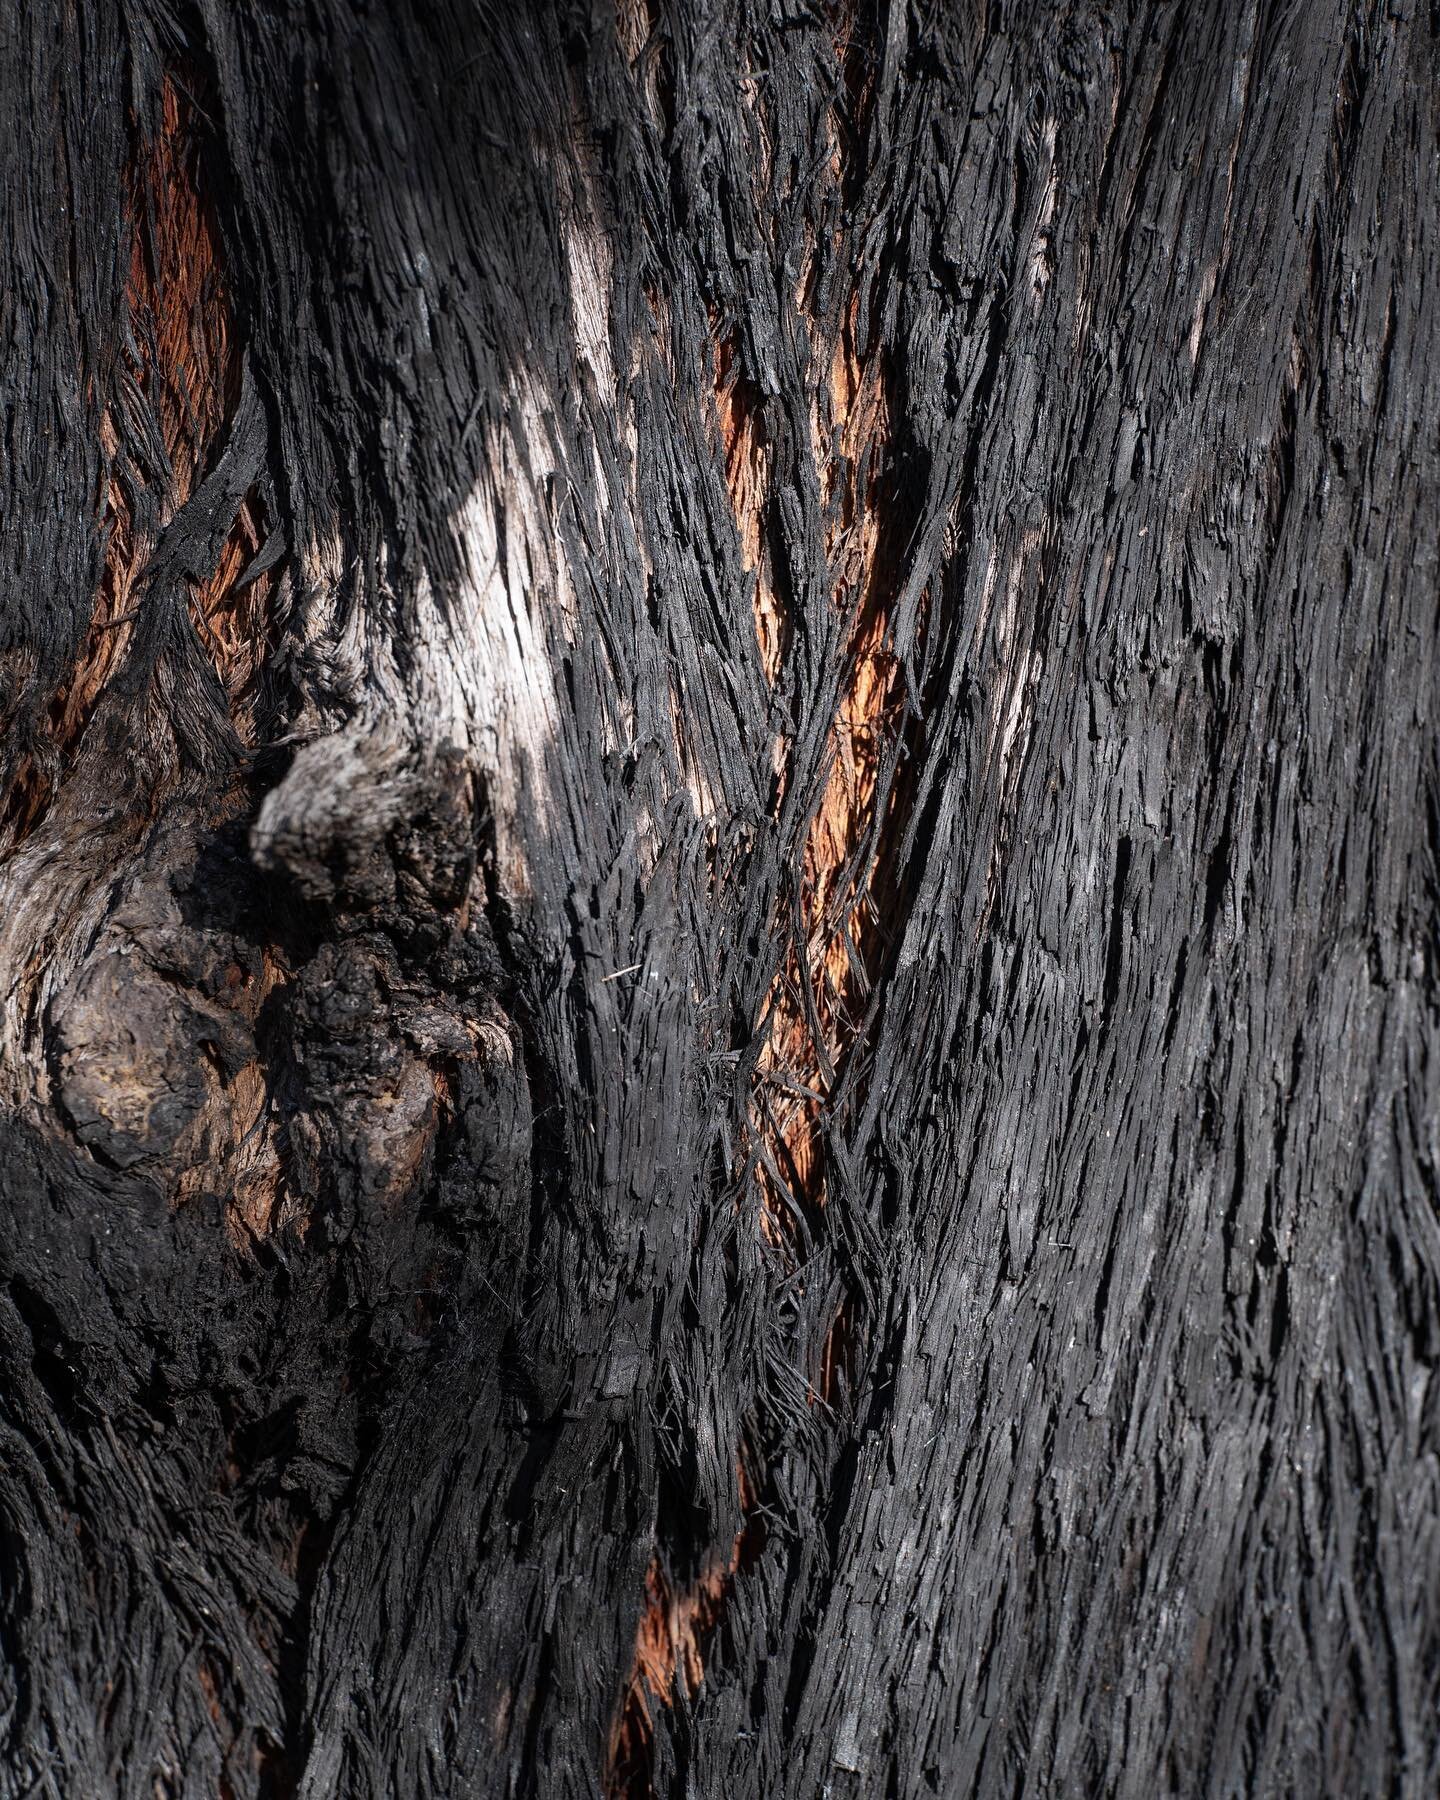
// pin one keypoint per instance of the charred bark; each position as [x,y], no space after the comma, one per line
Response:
[719,1035]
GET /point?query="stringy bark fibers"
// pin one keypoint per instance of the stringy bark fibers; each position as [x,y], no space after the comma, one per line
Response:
[721,837]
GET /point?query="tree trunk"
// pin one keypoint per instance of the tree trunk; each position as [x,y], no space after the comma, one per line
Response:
[720,1035]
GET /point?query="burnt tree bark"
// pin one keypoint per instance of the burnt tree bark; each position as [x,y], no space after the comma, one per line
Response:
[719,1034]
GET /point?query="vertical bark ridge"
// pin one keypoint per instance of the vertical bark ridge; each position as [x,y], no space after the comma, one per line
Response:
[170,395]
[814,1013]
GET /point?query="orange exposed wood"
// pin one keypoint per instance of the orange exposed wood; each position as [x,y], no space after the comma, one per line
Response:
[817,1002]
[670,1639]
[747,475]
[849,430]
[183,360]
[177,297]
[667,1651]
[189,368]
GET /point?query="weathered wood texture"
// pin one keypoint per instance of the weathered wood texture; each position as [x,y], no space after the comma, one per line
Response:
[719,1031]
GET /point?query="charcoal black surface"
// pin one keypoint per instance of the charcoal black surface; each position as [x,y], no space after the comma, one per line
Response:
[1075,1430]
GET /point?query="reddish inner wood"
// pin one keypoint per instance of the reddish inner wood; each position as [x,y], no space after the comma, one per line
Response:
[184,362]
[818,1000]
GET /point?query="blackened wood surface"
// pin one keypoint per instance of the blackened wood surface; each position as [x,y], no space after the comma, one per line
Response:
[719,1014]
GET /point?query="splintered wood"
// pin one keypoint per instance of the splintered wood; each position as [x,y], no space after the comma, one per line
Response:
[818,999]
[668,1651]
[816,1005]
[180,384]
[188,365]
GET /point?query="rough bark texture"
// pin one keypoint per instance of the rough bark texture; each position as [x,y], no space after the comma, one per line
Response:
[720,1038]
